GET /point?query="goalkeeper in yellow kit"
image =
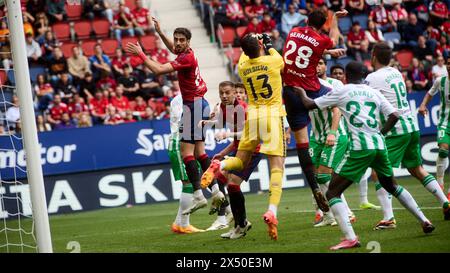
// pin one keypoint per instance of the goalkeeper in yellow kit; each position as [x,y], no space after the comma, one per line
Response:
[261,75]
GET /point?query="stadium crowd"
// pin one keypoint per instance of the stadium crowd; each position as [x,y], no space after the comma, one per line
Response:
[79,84]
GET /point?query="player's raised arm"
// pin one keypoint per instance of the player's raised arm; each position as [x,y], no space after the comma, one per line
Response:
[168,42]
[154,66]
[307,102]
[334,29]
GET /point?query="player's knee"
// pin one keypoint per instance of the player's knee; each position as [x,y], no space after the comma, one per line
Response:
[443,153]
[330,194]
[388,183]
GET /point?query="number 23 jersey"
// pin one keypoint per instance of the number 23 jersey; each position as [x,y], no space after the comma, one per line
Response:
[263,83]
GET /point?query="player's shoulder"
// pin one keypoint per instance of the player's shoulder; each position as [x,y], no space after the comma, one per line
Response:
[188,54]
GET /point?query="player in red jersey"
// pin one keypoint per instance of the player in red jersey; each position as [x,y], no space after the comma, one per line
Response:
[195,107]
[304,47]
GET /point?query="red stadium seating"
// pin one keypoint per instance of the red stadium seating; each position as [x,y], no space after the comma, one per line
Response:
[240,31]
[83,29]
[74,11]
[62,31]
[126,40]
[88,47]
[3,77]
[404,58]
[101,28]
[227,36]
[148,42]
[66,48]
[234,54]
[109,46]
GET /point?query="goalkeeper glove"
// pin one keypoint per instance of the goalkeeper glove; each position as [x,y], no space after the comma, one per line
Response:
[267,41]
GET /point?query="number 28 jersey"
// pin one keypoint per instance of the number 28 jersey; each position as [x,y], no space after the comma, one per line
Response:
[263,83]
[303,49]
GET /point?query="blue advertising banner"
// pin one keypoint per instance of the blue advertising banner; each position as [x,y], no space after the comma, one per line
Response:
[125,145]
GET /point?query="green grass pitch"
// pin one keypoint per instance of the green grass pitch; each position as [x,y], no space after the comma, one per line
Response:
[146,228]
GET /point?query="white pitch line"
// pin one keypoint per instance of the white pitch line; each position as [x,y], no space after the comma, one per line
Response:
[358,209]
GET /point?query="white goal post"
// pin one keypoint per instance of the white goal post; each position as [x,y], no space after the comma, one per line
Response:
[29,131]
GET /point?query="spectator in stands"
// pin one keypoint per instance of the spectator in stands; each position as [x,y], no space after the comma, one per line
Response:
[27,26]
[253,27]
[66,122]
[422,51]
[5,55]
[399,16]
[412,31]
[44,92]
[129,118]
[119,101]
[139,107]
[84,121]
[165,114]
[160,53]
[87,86]
[93,9]
[129,82]
[119,63]
[373,34]
[257,9]
[57,65]
[409,86]
[382,18]
[417,75]
[56,10]
[50,43]
[267,24]
[275,9]
[123,24]
[141,19]
[277,41]
[112,117]
[301,6]
[149,114]
[438,12]
[41,25]
[57,109]
[235,13]
[33,49]
[106,82]
[150,86]
[432,36]
[78,65]
[112,7]
[337,5]
[357,42]
[97,106]
[443,48]
[4,31]
[36,6]
[42,125]
[12,115]
[439,69]
[355,6]
[291,19]
[77,106]
[99,62]
[65,88]
[220,16]
[338,72]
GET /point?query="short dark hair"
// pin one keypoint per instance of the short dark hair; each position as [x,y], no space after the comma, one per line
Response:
[317,19]
[250,45]
[383,52]
[183,31]
[324,59]
[354,72]
[227,83]
[239,85]
[336,66]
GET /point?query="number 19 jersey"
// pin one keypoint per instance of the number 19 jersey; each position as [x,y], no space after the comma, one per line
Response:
[303,49]
[263,83]
[389,81]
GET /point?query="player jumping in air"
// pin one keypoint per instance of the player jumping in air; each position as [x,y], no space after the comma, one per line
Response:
[261,75]
[362,108]
[403,141]
[303,50]
[442,86]
[195,108]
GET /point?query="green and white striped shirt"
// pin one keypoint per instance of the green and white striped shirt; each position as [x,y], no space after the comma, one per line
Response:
[389,81]
[361,107]
[321,119]
[441,85]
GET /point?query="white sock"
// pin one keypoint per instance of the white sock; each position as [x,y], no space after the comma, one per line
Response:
[349,211]
[341,215]
[215,189]
[385,200]
[405,198]
[363,190]
[432,186]
[185,203]
[178,218]
[228,209]
[273,208]
[222,219]
[198,194]
[441,166]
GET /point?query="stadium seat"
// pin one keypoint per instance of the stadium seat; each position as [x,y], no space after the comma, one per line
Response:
[362,19]
[109,46]
[148,42]
[330,63]
[101,28]
[228,36]
[392,37]
[3,77]
[11,78]
[74,11]
[404,58]
[131,4]
[62,31]
[126,40]
[234,54]
[66,48]
[82,29]
[240,31]
[344,61]
[88,47]
[345,24]
[35,71]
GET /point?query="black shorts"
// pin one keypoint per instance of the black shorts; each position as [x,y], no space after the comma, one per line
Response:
[193,113]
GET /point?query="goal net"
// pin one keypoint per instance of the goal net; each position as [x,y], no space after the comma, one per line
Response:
[24,223]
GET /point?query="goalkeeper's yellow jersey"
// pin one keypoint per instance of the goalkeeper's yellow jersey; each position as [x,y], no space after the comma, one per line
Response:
[263,83]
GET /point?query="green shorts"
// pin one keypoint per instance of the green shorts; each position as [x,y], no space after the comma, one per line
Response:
[176,160]
[443,136]
[404,149]
[355,163]
[328,156]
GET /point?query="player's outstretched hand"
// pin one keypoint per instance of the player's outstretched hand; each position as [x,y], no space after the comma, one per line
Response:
[341,13]
[337,52]
[134,49]
[157,25]
[423,110]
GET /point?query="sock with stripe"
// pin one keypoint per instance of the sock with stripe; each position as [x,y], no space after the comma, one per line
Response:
[441,166]
[363,190]
[185,203]
[232,164]
[192,171]
[385,200]
[344,200]
[275,190]
[306,164]
[340,213]
[405,198]
[237,202]
[430,183]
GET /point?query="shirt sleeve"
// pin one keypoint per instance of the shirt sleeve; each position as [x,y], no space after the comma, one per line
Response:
[330,99]
[182,62]
[436,87]
[278,59]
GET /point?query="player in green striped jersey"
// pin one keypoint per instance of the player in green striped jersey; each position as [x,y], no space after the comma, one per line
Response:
[362,107]
[441,86]
[403,141]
